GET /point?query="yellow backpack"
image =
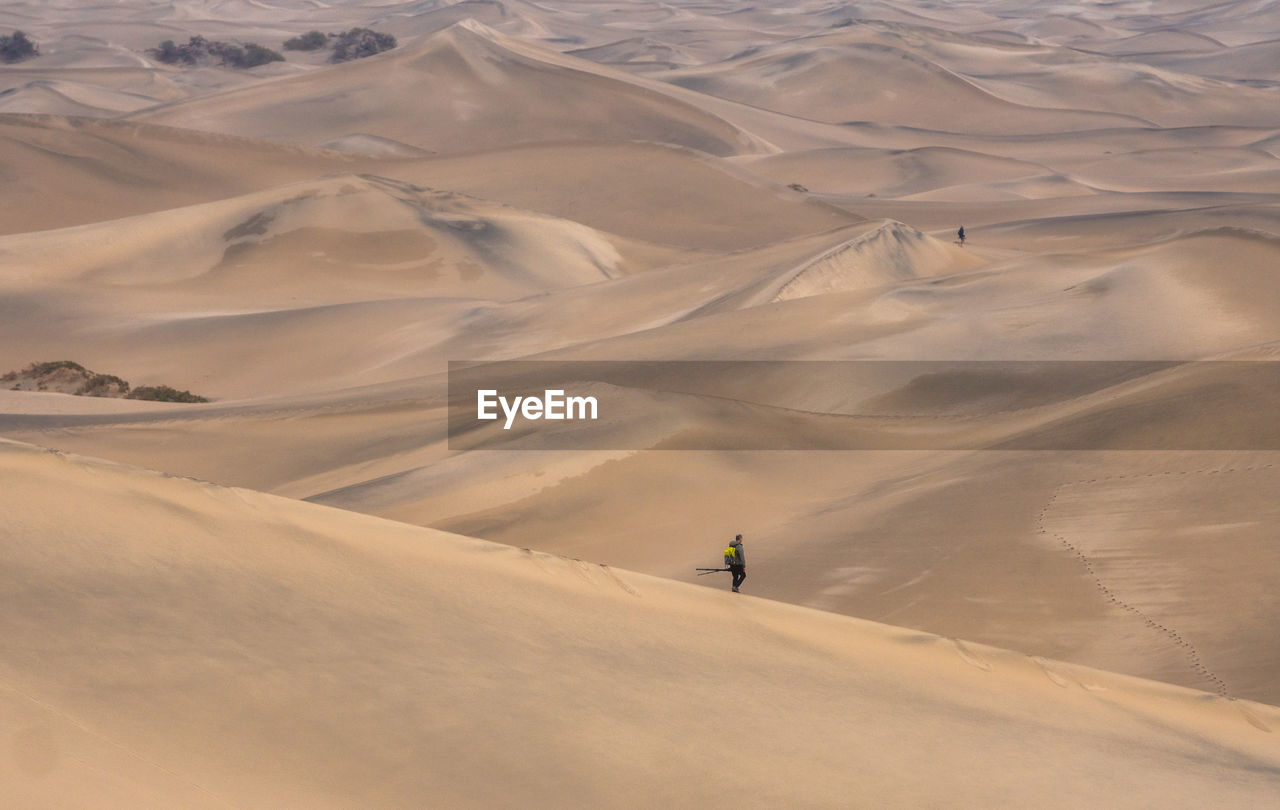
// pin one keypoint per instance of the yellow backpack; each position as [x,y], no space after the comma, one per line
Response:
[731,556]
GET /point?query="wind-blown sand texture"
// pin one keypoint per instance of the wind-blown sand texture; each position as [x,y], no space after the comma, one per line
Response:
[170,645]
[309,245]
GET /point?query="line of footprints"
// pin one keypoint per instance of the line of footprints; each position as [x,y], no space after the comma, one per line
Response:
[1193,655]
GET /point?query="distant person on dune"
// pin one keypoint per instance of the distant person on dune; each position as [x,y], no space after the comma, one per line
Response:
[735,559]
[960,234]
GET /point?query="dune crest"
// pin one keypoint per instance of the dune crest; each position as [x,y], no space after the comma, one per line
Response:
[892,252]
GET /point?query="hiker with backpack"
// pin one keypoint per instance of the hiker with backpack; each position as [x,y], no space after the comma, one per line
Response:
[735,559]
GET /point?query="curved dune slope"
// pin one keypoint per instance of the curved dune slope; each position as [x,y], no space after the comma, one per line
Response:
[661,194]
[891,253]
[329,239]
[464,88]
[68,98]
[173,643]
[71,171]
[843,77]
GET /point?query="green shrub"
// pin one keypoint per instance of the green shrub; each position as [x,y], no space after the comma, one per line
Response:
[92,384]
[164,393]
[41,369]
[103,385]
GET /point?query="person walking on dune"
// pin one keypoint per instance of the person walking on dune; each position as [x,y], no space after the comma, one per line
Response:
[735,559]
[960,234]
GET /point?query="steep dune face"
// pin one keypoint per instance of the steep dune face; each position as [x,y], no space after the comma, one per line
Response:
[179,644]
[891,253]
[461,89]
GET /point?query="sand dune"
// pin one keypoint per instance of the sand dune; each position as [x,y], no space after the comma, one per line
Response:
[672,196]
[891,253]
[429,18]
[637,53]
[1154,94]
[1242,169]
[62,98]
[372,146]
[346,254]
[1269,145]
[426,241]
[1064,29]
[1234,23]
[118,169]
[320,605]
[459,89]
[893,173]
[311,244]
[73,171]
[1159,42]
[810,78]
[924,78]
[98,81]
[1057,78]
[1251,63]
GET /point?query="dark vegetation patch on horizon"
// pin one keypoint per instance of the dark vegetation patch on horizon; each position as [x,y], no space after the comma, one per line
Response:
[355,43]
[16,47]
[200,51]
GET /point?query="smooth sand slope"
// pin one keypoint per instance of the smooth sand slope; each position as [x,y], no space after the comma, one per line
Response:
[843,77]
[174,643]
[967,532]
[71,171]
[659,193]
[868,289]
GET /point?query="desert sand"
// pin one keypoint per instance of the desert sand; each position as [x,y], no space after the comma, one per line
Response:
[342,610]
[176,643]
